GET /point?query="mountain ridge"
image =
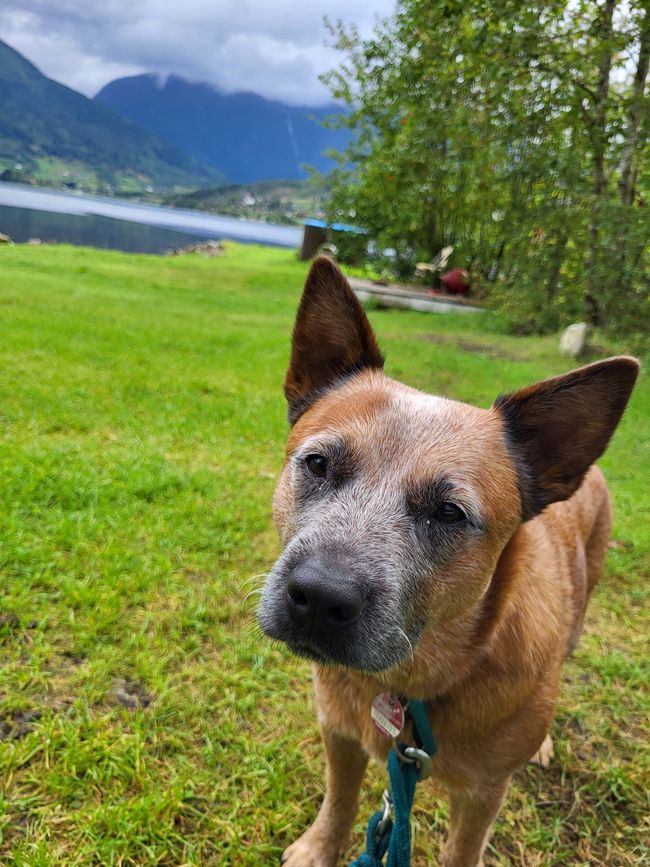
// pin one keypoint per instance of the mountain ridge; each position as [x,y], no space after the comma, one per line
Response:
[244,135]
[48,127]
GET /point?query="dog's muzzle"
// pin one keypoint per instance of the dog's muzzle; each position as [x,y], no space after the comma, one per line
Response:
[333,610]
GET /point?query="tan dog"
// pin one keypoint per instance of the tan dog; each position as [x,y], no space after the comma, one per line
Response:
[436,551]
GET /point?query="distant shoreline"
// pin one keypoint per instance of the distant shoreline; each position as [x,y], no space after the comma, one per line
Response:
[190,224]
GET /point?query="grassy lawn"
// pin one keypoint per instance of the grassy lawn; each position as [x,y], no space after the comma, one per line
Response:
[143,719]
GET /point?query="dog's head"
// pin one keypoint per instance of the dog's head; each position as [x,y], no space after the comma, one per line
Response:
[394,506]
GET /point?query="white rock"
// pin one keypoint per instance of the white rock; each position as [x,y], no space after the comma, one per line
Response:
[574,339]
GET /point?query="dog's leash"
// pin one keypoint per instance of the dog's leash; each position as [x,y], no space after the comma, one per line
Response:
[388,836]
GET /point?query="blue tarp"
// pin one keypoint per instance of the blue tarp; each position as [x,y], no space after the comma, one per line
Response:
[336,227]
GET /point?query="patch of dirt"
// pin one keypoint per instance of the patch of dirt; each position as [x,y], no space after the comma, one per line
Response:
[9,621]
[17,724]
[492,351]
[470,346]
[15,829]
[75,658]
[131,694]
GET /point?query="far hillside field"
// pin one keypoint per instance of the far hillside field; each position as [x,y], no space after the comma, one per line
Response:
[143,718]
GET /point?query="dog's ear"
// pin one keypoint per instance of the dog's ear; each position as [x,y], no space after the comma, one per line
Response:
[557,428]
[332,338]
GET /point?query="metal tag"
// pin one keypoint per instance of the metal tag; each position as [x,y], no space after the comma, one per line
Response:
[387,714]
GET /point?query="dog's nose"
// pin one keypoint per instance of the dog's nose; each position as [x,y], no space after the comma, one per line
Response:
[320,600]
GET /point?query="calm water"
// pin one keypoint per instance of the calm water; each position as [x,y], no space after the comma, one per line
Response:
[96,221]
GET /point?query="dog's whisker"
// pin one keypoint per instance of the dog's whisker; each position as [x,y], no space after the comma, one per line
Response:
[252,629]
[256,592]
[411,655]
[254,578]
[408,641]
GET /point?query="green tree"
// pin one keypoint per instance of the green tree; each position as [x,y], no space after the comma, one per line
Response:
[518,133]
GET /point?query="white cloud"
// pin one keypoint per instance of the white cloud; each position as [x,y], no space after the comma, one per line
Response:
[275,48]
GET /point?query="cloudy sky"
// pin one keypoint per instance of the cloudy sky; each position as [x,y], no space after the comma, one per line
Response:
[274,47]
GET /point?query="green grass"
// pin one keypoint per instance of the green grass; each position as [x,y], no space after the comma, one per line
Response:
[141,429]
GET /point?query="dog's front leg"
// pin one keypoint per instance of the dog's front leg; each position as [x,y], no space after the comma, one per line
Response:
[327,839]
[471,817]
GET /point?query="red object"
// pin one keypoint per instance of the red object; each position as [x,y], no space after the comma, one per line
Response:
[456,281]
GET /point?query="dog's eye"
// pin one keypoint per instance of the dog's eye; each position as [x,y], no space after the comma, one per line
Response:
[317,465]
[449,513]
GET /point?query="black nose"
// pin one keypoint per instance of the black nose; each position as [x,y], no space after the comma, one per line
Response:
[320,600]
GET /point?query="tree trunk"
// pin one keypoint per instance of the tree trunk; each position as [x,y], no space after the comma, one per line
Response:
[627,182]
[599,142]
[557,259]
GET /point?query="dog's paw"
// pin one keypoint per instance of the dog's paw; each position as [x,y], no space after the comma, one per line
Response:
[544,754]
[309,851]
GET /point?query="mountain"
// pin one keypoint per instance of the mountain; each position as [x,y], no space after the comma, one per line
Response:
[54,133]
[243,135]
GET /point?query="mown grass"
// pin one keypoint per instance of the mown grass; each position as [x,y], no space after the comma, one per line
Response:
[142,427]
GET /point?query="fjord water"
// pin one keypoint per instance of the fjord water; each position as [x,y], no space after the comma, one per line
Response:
[115,224]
